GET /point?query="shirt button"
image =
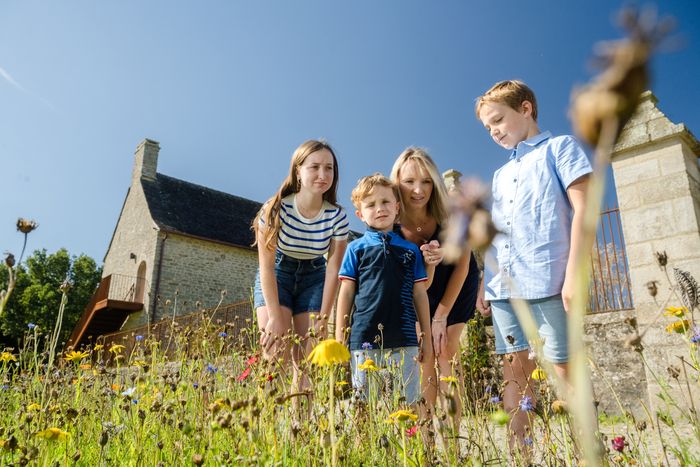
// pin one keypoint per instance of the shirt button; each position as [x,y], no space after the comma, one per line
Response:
[515,180]
[507,246]
[511,201]
[508,223]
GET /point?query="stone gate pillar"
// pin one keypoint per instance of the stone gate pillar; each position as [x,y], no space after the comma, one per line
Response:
[655,165]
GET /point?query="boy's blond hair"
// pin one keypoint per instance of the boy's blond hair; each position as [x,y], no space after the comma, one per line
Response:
[365,187]
[510,92]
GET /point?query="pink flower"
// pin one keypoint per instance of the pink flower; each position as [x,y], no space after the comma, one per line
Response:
[411,432]
[244,375]
[618,443]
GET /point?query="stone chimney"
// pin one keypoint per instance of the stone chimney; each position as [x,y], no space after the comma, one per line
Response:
[146,160]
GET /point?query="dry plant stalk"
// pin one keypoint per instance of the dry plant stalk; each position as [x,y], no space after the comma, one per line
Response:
[599,112]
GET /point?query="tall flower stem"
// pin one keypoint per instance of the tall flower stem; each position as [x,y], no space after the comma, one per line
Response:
[331,419]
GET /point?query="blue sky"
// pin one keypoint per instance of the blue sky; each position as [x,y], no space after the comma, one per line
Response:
[230,88]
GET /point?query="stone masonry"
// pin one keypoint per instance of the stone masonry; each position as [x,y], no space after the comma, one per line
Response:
[655,165]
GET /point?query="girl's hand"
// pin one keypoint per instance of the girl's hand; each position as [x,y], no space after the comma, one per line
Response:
[272,335]
[432,253]
[438,328]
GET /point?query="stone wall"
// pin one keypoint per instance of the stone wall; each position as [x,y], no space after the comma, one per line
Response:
[195,273]
[135,239]
[617,372]
[655,165]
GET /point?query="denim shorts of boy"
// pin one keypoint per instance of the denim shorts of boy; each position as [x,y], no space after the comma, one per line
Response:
[400,363]
[551,320]
[299,283]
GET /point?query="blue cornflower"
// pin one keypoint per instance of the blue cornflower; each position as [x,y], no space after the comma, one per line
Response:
[211,368]
[195,385]
[222,334]
[695,338]
[495,400]
[139,338]
[135,401]
[4,387]
[526,404]
[31,326]
[527,441]
[488,389]
[366,346]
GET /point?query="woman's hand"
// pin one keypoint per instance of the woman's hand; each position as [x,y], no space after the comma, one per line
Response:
[438,328]
[432,253]
[483,305]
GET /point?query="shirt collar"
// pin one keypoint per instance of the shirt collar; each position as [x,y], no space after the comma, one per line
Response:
[377,233]
[524,147]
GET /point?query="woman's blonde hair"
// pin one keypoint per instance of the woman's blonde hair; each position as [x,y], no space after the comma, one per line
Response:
[437,204]
[269,213]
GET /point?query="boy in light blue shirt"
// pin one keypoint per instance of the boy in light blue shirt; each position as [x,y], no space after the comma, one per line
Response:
[538,203]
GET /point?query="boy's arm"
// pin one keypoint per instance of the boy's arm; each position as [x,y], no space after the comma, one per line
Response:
[420,302]
[576,192]
[346,298]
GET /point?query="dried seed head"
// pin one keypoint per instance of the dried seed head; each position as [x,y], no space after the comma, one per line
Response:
[9,260]
[652,288]
[25,225]
[673,371]
[661,259]
[641,425]
[634,342]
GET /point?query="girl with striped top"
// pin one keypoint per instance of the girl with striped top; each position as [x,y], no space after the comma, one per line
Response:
[294,230]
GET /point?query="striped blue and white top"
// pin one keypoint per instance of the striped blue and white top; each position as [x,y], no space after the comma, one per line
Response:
[303,238]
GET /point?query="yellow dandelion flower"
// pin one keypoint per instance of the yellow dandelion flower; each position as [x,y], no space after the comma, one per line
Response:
[680,326]
[341,383]
[33,407]
[116,348]
[449,379]
[53,434]
[538,374]
[675,311]
[368,365]
[75,356]
[85,366]
[402,416]
[98,347]
[140,363]
[329,352]
[7,357]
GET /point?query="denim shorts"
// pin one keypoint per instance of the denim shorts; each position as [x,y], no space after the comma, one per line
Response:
[299,283]
[551,319]
[400,363]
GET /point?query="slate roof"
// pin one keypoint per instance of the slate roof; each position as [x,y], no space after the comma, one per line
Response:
[181,207]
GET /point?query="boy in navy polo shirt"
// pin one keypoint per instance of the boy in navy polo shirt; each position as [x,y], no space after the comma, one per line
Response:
[384,277]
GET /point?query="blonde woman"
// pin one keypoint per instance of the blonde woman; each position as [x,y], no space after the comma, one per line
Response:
[453,288]
[294,230]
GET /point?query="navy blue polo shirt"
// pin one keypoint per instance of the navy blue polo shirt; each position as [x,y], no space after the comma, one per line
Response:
[384,267]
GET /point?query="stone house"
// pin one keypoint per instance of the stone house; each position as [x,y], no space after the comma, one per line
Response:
[176,247]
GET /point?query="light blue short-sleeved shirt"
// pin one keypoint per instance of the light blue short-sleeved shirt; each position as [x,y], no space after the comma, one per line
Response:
[532,211]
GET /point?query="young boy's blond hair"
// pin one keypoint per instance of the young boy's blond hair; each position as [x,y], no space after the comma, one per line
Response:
[366,185]
[511,92]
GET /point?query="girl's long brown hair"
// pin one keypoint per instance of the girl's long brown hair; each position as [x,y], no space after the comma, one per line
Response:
[269,212]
